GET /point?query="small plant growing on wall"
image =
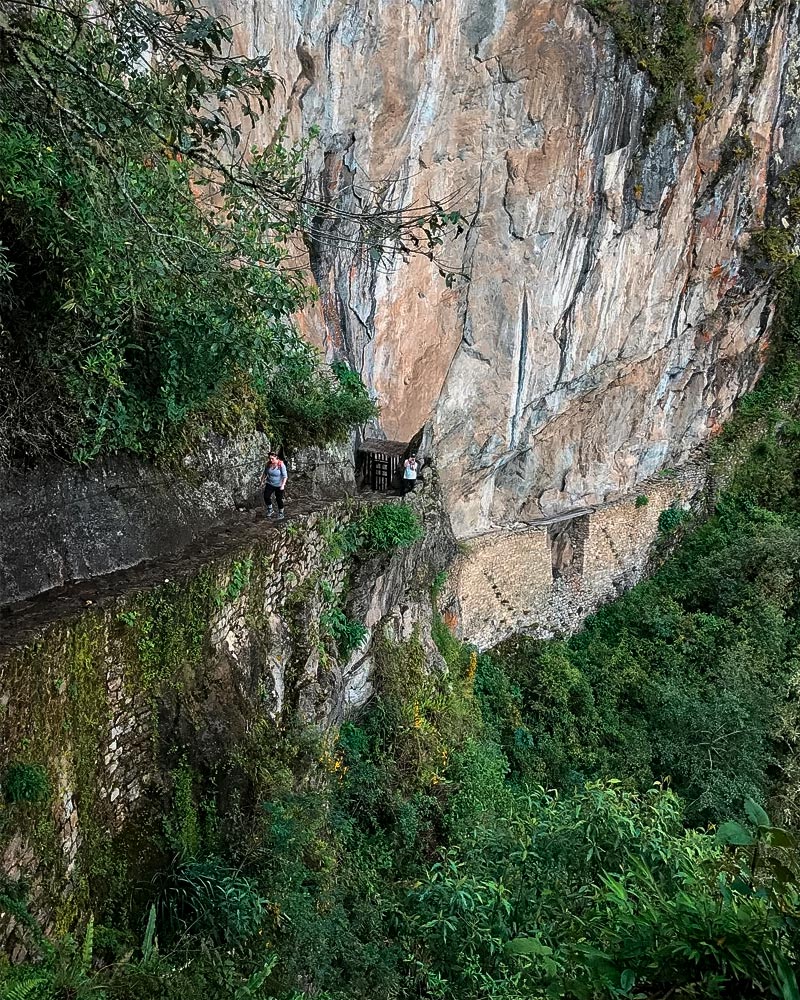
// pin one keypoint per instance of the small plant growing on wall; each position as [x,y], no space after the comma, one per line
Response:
[386,527]
[26,783]
[642,501]
[239,581]
[347,633]
[670,519]
[389,526]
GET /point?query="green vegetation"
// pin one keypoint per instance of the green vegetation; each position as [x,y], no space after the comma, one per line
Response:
[418,852]
[671,519]
[409,858]
[663,38]
[26,783]
[347,633]
[241,571]
[585,818]
[146,276]
[687,676]
[385,527]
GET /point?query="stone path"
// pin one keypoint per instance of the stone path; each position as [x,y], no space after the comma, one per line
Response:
[22,622]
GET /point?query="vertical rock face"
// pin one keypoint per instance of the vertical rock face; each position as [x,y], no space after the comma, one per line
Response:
[103,697]
[608,324]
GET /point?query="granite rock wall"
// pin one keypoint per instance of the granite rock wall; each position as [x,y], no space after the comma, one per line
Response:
[609,323]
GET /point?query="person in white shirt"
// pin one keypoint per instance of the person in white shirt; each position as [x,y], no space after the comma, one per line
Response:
[410,470]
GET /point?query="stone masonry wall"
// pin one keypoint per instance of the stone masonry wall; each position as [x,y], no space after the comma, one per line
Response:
[545,579]
[103,702]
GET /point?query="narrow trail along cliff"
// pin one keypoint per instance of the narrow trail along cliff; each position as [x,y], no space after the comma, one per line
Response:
[23,621]
[399,747]
[545,577]
[612,316]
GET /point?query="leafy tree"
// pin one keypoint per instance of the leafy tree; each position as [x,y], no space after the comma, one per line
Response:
[146,248]
[602,893]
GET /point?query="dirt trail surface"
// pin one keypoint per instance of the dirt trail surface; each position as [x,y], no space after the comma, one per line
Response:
[23,622]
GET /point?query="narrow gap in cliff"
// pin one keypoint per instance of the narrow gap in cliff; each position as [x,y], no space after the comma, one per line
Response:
[567,544]
[523,359]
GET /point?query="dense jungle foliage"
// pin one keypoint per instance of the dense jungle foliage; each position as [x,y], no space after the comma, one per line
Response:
[419,852]
[149,269]
[584,819]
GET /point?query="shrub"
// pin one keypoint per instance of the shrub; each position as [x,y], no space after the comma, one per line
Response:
[346,632]
[308,405]
[381,529]
[26,783]
[669,520]
[209,899]
[389,526]
[593,894]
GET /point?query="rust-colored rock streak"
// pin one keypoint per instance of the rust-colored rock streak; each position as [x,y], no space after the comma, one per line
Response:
[608,327]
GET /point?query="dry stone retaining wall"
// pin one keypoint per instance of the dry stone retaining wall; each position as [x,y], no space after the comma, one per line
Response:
[105,701]
[545,579]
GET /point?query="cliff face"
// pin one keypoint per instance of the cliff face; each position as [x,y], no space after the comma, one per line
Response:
[608,326]
[102,695]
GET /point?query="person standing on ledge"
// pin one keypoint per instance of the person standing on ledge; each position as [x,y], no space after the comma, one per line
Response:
[273,479]
[410,469]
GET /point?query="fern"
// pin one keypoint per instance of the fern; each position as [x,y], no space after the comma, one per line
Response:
[88,946]
[34,986]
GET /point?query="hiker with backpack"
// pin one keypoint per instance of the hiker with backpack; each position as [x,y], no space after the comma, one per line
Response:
[273,479]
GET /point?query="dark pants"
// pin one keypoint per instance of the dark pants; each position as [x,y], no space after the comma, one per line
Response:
[268,491]
[408,486]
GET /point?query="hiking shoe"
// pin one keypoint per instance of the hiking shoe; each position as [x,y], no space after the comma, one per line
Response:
[270,511]
[281,515]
